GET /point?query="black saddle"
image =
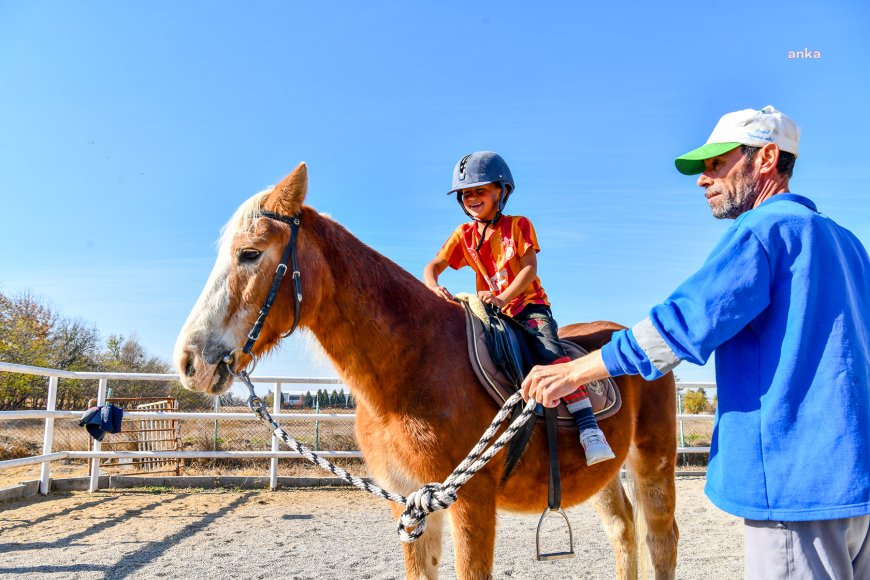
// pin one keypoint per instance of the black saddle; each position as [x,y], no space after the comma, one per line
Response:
[508,346]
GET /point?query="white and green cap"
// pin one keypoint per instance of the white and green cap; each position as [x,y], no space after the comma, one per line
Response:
[747,127]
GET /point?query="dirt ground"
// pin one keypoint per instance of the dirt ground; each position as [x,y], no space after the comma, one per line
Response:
[304,534]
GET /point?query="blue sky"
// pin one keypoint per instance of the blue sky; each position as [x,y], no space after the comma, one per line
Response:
[130,131]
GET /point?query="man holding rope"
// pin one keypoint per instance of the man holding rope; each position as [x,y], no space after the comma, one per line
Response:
[784,301]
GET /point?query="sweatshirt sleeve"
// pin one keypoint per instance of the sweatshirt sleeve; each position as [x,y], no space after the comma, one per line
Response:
[713,305]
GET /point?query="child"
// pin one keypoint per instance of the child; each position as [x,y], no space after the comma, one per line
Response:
[502,250]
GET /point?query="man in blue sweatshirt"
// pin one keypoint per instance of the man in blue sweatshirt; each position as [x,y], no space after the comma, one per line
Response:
[784,301]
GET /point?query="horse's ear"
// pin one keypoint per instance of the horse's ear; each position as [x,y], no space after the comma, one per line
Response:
[288,196]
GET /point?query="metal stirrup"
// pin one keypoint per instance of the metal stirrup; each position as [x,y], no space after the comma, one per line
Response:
[554,555]
[554,492]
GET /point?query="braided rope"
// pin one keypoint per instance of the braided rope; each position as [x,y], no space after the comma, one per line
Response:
[430,497]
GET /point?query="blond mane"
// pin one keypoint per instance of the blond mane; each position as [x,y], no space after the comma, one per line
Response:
[245,217]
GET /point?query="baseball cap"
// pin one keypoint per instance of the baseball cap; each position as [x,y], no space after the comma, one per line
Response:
[746,127]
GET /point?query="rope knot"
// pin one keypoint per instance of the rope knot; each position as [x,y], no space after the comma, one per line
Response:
[419,504]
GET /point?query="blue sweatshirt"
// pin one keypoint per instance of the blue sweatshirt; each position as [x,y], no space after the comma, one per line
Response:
[784,300]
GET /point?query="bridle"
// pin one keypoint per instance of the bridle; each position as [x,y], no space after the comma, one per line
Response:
[289,255]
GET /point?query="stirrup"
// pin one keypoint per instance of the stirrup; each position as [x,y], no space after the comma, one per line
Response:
[554,555]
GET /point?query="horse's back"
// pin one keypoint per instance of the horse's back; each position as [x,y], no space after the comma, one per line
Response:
[590,335]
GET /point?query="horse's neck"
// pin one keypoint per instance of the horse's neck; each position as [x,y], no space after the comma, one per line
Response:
[376,320]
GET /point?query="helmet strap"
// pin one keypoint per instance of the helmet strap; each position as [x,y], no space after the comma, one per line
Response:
[488,223]
[501,202]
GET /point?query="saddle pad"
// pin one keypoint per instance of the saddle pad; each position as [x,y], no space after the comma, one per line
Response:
[604,395]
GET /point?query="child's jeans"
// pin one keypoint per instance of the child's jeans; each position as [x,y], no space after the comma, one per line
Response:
[539,319]
[546,349]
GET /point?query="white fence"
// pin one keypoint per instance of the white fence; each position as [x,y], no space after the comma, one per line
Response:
[50,414]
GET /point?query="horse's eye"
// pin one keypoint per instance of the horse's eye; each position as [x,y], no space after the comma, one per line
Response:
[249,255]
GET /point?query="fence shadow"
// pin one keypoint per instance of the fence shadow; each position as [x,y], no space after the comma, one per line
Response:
[67,541]
[127,563]
[82,506]
[153,550]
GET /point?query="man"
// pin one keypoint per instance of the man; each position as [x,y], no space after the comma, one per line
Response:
[784,301]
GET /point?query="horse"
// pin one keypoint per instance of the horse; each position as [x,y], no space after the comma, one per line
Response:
[420,408]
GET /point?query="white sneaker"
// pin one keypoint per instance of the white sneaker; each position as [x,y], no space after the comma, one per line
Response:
[595,446]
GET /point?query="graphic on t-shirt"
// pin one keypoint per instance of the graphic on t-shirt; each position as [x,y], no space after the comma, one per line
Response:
[507,245]
[498,282]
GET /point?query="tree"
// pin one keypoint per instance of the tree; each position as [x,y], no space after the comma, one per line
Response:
[308,401]
[695,402]
[33,333]
[25,338]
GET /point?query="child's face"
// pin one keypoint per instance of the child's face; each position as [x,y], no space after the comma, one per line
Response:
[482,201]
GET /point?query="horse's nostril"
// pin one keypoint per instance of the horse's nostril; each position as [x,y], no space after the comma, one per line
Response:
[189,370]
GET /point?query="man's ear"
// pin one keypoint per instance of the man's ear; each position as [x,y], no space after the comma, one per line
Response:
[767,158]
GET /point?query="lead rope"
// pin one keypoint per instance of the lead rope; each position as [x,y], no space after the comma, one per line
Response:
[432,496]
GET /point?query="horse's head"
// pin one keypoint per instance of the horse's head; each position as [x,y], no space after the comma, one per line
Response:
[250,250]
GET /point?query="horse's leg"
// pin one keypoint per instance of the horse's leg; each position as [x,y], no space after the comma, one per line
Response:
[652,463]
[472,523]
[615,512]
[423,556]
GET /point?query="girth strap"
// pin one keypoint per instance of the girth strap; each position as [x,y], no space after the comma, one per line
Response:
[554,489]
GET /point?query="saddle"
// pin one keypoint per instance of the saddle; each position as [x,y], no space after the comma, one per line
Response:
[500,359]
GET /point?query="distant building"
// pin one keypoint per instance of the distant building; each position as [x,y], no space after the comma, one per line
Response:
[293,401]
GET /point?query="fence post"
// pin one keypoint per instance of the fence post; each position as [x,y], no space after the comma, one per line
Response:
[217,409]
[98,445]
[273,464]
[680,412]
[317,425]
[48,437]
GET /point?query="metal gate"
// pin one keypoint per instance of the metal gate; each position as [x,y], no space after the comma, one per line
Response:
[144,435]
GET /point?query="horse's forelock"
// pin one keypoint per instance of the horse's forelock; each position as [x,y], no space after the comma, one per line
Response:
[244,218]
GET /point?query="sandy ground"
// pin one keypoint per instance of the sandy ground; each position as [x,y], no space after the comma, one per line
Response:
[303,534]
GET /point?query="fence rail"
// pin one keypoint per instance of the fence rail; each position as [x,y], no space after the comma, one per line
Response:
[50,414]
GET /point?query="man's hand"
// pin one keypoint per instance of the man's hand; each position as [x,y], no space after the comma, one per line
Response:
[547,384]
[442,292]
[491,298]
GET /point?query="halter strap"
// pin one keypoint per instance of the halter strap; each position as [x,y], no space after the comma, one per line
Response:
[288,255]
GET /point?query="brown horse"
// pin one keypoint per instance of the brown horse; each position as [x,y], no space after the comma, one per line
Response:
[402,351]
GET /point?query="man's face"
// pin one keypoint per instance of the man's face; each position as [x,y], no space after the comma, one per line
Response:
[730,184]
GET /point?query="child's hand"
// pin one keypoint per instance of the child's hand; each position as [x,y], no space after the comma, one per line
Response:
[442,292]
[491,298]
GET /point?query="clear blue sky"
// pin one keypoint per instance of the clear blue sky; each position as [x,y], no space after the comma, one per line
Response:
[130,131]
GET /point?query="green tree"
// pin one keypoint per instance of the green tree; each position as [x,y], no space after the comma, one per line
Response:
[33,333]
[26,327]
[695,402]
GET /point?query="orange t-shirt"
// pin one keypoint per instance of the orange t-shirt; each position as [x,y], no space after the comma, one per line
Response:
[498,262]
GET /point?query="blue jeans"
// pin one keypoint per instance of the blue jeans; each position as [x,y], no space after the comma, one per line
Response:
[545,347]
